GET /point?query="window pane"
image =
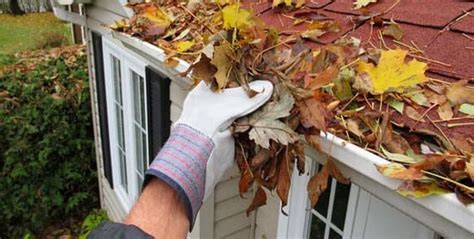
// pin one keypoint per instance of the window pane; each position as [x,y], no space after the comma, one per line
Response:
[340,205]
[334,235]
[139,148]
[136,97]
[142,101]
[123,170]
[117,78]
[323,202]
[317,228]
[120,127]
[144,152]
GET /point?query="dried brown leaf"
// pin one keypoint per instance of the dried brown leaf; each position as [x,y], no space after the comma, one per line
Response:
[259,200]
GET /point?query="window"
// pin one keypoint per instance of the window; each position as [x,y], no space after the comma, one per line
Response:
[127,110]
[332,216]
[342,212]
[329,214]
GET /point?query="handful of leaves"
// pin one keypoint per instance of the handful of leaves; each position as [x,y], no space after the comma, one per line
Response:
[375,98]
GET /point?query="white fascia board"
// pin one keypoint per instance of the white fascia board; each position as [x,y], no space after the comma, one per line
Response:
[65,15]
[453,219]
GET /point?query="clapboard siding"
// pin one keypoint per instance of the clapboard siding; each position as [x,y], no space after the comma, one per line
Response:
[114,209]
[231,225]
[241,234]
[232,206]
[267,218]
[227,189]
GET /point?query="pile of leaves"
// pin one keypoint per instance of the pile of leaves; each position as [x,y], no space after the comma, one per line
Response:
[47,160]
[377,98]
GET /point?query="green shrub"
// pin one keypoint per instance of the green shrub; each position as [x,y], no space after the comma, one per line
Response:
[47,159]
[92,220]
[50,40]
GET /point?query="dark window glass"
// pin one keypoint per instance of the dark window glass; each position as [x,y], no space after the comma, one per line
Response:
[317,228]
[340,205]
[334,235]
[323,202]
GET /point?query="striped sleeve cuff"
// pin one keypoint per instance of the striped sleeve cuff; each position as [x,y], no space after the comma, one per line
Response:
[181,163]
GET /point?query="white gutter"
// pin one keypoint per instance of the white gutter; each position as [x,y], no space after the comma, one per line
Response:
[65,15]
[442,213]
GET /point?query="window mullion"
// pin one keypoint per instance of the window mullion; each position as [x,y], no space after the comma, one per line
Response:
[330,208]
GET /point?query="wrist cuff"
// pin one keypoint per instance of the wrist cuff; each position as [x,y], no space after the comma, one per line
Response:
[181,164]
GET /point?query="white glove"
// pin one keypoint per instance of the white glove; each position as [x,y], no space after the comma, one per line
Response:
[233,103]
[221,159]
[211,112]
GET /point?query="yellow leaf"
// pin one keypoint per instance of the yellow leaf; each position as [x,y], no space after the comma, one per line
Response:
[392,73]
[222,60]
[234,17]
[183,46]
[157,16]
[419,189]
[362,3]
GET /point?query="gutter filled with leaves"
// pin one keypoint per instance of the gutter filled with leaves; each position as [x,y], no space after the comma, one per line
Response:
[377,98]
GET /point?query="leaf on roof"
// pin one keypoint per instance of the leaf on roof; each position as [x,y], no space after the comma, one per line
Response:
[401,158]
[445,112]
[413,114]
[419,189]
[459,93]
[362,3]
[398,171]
[420,99]
[235,17]
[467,109]
[160,19]
[392,73]
[223,61]
[183,46]
[393,30]
[397,105]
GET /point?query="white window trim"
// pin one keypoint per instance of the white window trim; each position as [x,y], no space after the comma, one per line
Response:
[296,224]
[128,63]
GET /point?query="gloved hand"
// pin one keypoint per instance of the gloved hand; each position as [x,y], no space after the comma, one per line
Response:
[204,124]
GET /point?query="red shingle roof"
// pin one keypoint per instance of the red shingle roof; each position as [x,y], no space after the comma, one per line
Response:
[443,29]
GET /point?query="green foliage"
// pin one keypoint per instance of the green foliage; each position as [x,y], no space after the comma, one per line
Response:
[6,59]
[92,220]
[50,40]
[47,159]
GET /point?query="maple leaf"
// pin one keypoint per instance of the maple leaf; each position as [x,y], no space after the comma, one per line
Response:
[203,69]
[222,60]
[235,17]
[363,3]
[265,123]
[392,73]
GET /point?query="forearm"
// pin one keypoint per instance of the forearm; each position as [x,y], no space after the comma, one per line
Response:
[166,219]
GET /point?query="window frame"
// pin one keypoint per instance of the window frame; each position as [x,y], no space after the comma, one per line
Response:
[128,63]
[297,223]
